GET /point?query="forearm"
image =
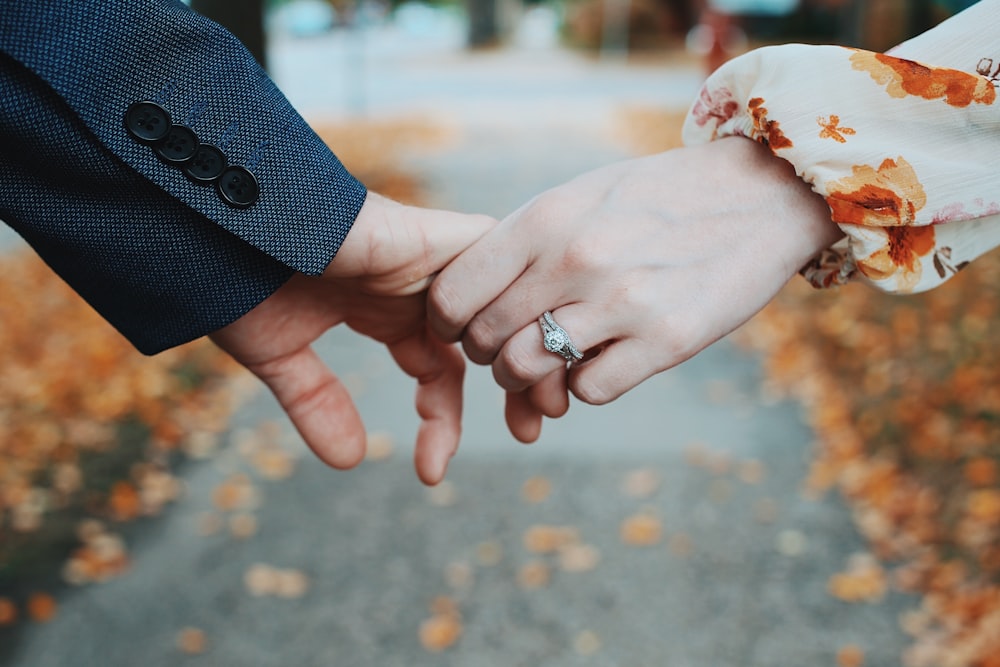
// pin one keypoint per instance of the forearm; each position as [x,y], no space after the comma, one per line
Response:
[164,257]
[157,270]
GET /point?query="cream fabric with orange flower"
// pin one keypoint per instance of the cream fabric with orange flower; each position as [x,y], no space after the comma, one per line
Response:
[904,147]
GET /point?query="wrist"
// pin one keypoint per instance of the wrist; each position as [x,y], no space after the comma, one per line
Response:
[797,220]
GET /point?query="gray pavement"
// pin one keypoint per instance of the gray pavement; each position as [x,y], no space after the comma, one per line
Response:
[738,579]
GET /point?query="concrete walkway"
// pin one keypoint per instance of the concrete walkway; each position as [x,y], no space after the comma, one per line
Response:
[737,562]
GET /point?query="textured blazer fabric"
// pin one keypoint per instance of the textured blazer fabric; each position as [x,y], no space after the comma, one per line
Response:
[148,228]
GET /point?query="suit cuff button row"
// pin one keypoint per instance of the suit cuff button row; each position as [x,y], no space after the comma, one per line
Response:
[179,146]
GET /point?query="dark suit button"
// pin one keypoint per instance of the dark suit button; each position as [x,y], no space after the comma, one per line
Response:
[206,165]
[179,145]
[238,187]
[147,122]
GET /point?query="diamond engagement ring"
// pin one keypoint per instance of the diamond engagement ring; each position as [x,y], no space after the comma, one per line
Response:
[555,339]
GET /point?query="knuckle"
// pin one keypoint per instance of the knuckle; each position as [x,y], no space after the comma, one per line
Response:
[446,305]
[587,390]
[551,205]
[479,342]
[516,368]
[677,339]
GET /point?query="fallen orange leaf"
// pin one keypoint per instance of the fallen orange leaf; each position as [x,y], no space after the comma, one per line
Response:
[8,612]
[641,530]
[41,607]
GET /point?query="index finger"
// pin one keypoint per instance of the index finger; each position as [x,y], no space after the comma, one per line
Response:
[473,279]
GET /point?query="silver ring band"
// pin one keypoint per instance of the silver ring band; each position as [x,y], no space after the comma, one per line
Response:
[556,340]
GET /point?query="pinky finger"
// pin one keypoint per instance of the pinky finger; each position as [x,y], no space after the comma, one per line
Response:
[523,419]
[439,369]
[549,397]
[616,370]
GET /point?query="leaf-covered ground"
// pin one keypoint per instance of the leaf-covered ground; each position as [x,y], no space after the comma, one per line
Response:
[904,395]
[89,428]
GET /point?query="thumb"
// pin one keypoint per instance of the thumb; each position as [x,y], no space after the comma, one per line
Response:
[397,249]
[445,234]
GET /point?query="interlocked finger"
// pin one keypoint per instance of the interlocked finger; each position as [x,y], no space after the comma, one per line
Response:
[524,360]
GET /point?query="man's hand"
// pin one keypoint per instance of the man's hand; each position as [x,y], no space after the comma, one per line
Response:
[377,286]
[644,263]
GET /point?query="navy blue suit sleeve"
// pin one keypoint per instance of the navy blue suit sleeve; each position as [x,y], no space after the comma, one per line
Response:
[161,256]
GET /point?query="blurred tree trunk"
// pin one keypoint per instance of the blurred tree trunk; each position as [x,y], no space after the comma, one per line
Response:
[243,18]
[484,23]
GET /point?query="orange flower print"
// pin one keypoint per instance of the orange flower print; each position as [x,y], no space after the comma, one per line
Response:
[901,256]
[905,77]
[768,132]
[832,130]
[889,196]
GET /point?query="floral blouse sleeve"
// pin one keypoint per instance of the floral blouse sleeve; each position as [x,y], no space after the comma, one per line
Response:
[905,147]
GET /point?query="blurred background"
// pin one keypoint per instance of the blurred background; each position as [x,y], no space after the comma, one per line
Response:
[821,488]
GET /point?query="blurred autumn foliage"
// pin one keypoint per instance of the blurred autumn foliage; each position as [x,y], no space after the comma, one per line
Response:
[88,426]
[91,431]
[904,395]
[371,151]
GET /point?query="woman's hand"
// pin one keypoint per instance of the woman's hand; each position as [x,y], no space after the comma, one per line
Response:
[644,263]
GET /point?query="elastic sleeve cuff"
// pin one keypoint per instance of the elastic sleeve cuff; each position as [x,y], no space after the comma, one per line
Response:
[901,151]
